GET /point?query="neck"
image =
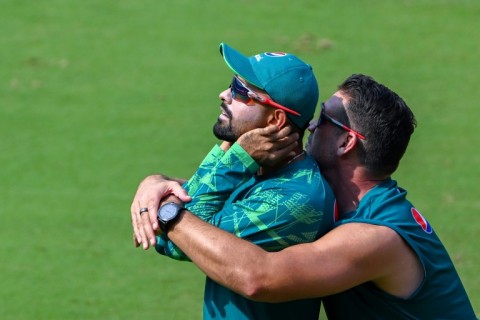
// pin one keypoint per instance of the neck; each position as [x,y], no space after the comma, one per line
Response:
[299,155]
[350,184]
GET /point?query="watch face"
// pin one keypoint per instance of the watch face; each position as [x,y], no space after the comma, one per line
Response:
[168,211]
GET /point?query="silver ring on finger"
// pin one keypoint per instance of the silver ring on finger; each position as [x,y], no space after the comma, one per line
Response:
[142,210]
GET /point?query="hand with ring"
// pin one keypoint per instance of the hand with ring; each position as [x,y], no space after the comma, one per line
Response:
[145,205]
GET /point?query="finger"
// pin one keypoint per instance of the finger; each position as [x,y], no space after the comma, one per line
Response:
[283,137]
[140,229]
[149,219]
[135,242]
[284,152]
[181,193]
[133,214]
[290,141]
[136,232]
[150,198]
[153,205]
[146,231]
[270,129]
[284,132]
[141,233]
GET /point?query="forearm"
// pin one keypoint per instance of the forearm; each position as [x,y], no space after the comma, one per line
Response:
[205,168]
[223,257]
[297,272]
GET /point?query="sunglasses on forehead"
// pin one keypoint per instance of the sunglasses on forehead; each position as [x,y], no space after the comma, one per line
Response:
[242,93]
[327,117]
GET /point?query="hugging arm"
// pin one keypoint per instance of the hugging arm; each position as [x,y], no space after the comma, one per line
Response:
[345,257]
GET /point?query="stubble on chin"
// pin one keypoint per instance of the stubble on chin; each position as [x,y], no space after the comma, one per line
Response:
[224,131]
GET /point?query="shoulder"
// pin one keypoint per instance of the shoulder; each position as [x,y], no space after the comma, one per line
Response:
[304,173]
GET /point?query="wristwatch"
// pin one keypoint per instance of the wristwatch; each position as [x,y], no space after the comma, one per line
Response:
[168,213]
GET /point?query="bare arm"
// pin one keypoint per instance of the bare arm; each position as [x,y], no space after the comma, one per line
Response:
[347,256]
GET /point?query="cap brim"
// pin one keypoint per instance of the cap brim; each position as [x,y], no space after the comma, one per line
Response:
[239,64]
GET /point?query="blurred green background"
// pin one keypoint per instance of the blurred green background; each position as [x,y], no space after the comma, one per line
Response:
[94,95]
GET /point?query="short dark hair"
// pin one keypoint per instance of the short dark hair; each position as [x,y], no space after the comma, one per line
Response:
[383,118]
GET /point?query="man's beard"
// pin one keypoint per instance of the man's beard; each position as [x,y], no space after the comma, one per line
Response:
[223,130]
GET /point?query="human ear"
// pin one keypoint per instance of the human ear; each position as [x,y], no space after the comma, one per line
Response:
[278,118]
[346,143]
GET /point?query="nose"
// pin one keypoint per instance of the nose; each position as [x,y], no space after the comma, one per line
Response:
[226,95]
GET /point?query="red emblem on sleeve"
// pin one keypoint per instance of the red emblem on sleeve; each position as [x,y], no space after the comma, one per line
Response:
[422,222]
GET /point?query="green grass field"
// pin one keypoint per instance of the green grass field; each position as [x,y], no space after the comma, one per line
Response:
[94,95]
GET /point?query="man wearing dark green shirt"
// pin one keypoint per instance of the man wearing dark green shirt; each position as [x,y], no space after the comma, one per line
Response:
[272,206]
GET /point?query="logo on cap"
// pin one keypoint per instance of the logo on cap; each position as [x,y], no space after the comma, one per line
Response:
[422,222]
[275,54]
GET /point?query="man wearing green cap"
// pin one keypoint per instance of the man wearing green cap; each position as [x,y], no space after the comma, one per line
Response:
[382,259]
[272,206]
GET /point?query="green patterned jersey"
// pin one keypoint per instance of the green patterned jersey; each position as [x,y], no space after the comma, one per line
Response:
[292,205]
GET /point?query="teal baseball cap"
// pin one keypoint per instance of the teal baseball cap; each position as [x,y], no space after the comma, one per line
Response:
[284,77]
